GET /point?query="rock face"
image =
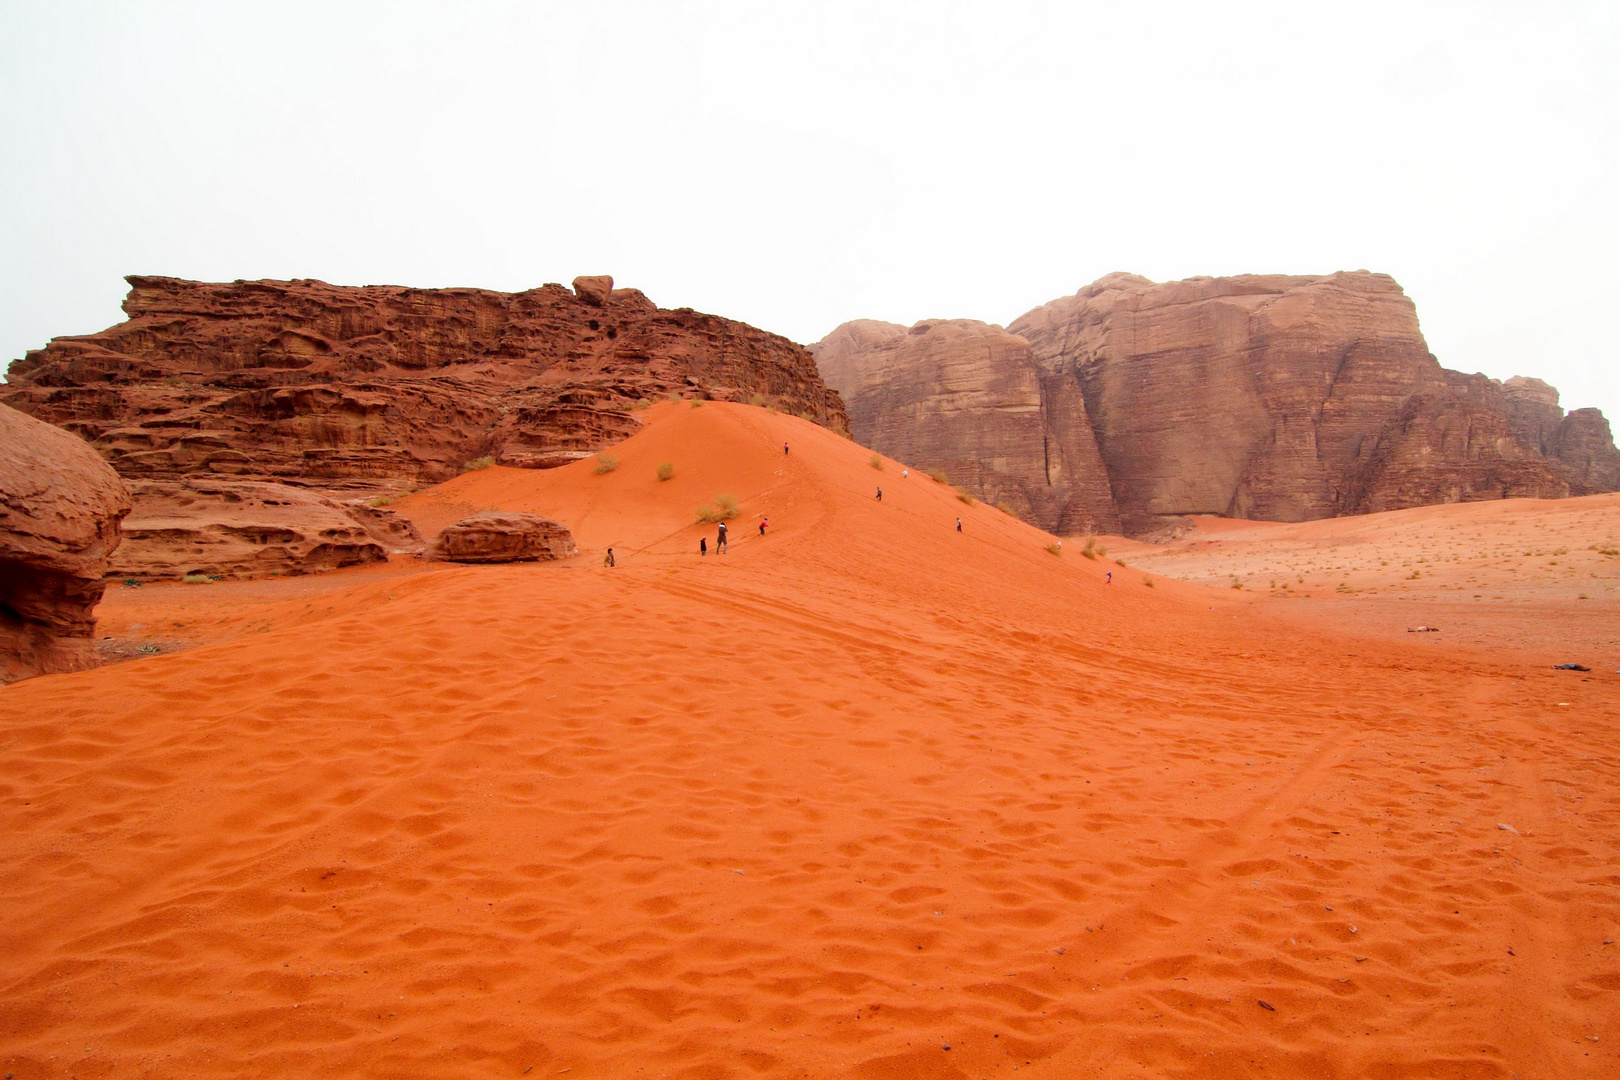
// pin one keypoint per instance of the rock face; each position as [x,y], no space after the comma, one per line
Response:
[59,511]
[499,536]
[334,387]
[245,528]
[1279,398]
[968,398]
[1580,444]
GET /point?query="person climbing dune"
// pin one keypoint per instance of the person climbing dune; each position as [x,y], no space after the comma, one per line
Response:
[608,560]
[720,540]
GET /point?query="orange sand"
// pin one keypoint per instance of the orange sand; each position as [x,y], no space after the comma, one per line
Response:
[856,792]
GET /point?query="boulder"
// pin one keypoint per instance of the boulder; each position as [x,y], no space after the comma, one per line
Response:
[60,506]
[595,291]
[496,536]
[244,528]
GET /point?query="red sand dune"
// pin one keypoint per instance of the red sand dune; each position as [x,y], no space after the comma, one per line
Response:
[865,797]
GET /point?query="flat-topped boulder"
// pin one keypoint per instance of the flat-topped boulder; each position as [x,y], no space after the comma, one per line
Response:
[497,536]
[60,505]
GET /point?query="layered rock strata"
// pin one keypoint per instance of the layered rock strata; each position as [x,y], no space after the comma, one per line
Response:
[1579,442]
[60,506]
[968,398]
[496,536]
[378,387]
[1279,398]
[227,528]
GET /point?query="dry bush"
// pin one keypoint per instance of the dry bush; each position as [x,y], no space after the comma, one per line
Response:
[666,469]
[939,475]
[1053,549]
[724,508]
[606,463]
[876,463]
[480,463]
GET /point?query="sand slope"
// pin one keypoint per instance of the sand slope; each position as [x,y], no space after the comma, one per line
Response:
[866,797]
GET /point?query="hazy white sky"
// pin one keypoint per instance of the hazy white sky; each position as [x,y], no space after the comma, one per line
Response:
[797,165]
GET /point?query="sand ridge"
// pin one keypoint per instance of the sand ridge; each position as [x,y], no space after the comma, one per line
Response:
[866,797]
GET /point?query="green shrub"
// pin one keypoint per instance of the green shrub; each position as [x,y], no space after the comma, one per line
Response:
[480,463]
[666,470]
[606,463]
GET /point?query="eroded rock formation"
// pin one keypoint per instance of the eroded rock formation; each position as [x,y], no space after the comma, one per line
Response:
[968,398]
[232,528]
[1580,443]
[496,536]
[60,506]
[334,387]
[1279,398]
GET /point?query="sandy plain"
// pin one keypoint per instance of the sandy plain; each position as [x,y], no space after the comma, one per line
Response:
[864,797]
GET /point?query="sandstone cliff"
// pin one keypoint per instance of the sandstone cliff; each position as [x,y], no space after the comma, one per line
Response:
[1279,398]
[329,386]
[59,511]
[968,398]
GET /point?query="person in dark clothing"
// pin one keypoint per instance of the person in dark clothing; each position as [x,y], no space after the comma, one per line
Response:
[703,545]
[1109,580]
[720,540]
[880,495]
[608,560]
[958,524]
[784,449]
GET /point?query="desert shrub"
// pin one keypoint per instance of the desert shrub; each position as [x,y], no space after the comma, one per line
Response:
[674,395]
[381,500]
[1053,549]
[1117,562]
[195,579]
[724,508]
[1090,550]
[636,406]
[964,496]
[1103,551]
[666,469]
[697,403]
[480,463]
[1237,584]
[876,463]
[1005,509]
[1147,581]
[757,400]
[939,475]
[606,463]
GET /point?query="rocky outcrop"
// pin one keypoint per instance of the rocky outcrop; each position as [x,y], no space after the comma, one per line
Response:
[1584,447]
[59,511]
[378,387]
[1580,444]
[968,398]
[495,536]
[243,528]
[1278,398]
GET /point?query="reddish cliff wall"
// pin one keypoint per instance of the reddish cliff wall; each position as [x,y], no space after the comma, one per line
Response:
[315,383]
[1278,398]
